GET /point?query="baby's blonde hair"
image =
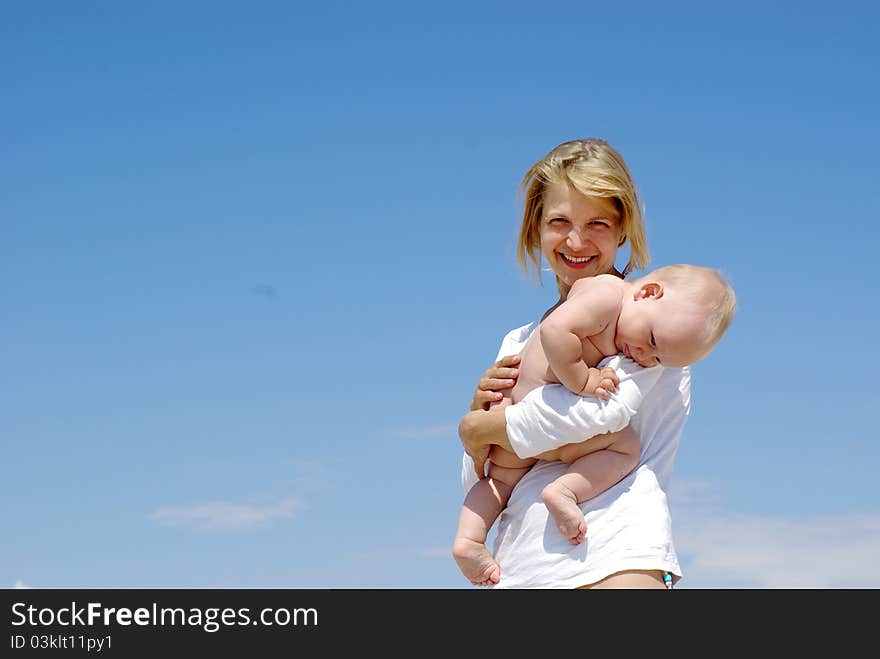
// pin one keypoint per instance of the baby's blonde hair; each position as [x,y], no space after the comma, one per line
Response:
[595,169]
[707,288]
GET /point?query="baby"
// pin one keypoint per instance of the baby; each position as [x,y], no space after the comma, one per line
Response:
[672,316]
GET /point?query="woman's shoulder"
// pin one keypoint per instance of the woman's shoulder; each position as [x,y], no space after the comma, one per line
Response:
[514,340]
[521,333]
[672,389]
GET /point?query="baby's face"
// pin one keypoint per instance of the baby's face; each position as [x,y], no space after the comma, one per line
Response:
[662,330]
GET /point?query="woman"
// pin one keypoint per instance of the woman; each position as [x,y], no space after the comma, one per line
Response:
[581,205]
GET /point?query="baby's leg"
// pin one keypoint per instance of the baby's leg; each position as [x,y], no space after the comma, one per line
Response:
[586,477]
[482,505]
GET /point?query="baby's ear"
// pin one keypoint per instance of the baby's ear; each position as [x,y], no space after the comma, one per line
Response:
[651,289]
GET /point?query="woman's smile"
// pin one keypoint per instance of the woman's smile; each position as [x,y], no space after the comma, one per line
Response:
[576,262]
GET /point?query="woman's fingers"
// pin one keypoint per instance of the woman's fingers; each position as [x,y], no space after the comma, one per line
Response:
[502,375]
[480,465]
[482,399]
[496,383]
[498,377]
[508,360]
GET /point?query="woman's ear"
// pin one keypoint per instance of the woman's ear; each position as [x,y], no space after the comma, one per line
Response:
[651,289]
[621,241]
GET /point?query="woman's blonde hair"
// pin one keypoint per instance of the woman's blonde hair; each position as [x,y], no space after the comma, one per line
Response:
[595,169]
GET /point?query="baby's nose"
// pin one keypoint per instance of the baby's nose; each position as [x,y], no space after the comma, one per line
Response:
[643,355]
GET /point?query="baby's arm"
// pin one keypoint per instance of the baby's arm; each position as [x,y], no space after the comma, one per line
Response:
[551,416]
[589,309]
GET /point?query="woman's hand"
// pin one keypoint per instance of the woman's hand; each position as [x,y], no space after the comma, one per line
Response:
[498,377]
[478,431]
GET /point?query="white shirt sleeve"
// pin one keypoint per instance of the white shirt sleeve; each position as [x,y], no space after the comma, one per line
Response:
[552,416]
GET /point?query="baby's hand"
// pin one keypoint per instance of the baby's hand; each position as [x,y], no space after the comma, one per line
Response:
[601,384]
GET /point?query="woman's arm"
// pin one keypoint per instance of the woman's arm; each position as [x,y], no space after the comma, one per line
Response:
[479,430]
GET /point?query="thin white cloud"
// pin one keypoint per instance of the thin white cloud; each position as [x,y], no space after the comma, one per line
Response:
[20,585]
[684,492]
[310,476]
[225,516]
[399,553]
[311,467]
[721,550]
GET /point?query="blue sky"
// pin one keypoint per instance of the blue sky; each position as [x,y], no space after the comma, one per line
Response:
[255,257]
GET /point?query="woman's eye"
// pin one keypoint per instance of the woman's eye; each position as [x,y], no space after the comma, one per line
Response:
[599,225]
[557,220]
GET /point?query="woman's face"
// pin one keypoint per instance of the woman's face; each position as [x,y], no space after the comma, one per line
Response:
[579,234]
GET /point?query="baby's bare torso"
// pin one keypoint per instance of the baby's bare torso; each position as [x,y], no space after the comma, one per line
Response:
[534,371]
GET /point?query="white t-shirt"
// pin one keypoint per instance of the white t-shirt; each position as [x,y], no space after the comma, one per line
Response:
[629,526]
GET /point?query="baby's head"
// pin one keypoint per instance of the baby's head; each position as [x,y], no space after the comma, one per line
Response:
[675,315]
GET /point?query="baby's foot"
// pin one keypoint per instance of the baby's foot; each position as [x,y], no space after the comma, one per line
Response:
[475,562]
[562,504]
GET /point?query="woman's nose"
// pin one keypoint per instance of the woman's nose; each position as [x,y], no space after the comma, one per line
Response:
[576,239]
